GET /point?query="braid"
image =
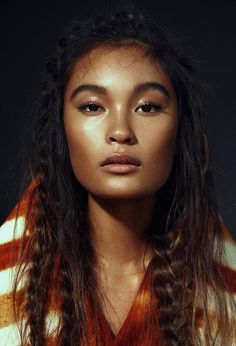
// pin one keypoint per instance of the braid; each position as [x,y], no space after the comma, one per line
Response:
[183,292]
[67,309]
[37,288]
[42,245]
[162,279]
[172,290]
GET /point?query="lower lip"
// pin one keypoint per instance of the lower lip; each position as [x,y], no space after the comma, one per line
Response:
[120,168]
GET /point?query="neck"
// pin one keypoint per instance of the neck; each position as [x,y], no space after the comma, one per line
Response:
[119,231]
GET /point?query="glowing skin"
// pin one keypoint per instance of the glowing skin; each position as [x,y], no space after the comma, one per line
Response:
[117,125]
[120,207]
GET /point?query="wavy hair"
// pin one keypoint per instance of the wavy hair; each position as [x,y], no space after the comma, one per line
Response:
[187,233]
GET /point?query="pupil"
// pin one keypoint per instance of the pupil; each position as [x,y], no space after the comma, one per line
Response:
[146,107]
[93,107]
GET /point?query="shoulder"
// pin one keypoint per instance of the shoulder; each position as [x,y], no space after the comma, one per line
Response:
[227,267]
[11,236]
[11,233]
[230,247]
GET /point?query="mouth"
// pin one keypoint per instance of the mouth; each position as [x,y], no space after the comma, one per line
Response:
[121,164]
[118,159]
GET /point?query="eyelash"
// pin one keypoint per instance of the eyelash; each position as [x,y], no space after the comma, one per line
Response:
[157,106]
[154,105]
[86,104]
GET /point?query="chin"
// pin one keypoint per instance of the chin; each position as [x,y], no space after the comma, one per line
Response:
[125,194]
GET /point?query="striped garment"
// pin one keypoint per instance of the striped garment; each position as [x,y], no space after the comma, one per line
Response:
[132,332]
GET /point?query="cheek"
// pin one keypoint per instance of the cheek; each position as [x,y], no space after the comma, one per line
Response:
[160,155]
[82,149]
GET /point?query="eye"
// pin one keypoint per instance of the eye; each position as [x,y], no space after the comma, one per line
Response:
[89,107]
[149,105]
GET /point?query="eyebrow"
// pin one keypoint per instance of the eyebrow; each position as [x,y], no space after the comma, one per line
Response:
[137,89]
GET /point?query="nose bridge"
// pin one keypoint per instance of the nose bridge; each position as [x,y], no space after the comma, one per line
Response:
[120,124]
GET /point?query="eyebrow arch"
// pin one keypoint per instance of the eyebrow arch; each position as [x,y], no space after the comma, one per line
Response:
[137,89]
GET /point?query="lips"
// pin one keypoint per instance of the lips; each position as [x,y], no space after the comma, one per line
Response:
[121,159]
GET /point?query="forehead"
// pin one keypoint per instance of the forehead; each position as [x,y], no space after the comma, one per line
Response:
[108,55]
[111,64]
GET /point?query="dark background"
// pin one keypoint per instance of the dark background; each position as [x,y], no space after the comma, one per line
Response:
[29,30]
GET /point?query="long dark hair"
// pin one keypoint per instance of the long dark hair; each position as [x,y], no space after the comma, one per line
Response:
[187,232]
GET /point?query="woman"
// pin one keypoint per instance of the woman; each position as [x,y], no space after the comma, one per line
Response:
[118,234]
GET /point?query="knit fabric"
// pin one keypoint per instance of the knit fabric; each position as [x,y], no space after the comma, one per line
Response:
[132,332]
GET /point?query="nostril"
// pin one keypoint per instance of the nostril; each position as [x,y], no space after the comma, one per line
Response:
[121,140]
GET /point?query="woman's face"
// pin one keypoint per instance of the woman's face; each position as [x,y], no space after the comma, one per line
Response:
[118,101]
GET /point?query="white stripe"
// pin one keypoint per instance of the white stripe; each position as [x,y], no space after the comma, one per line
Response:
[7,230]
[6,280]
[230,258]
[9,336]
[52,322]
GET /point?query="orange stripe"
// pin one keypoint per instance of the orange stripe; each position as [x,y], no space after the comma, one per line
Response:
[7,311]
[50,341]
[9,254]
[227,235]
[24,202]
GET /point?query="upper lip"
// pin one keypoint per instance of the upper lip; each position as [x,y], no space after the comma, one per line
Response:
[121,158]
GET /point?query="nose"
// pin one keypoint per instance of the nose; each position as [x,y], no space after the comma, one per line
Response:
[120,129]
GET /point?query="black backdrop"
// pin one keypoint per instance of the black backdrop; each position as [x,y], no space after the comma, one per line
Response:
[29,30]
